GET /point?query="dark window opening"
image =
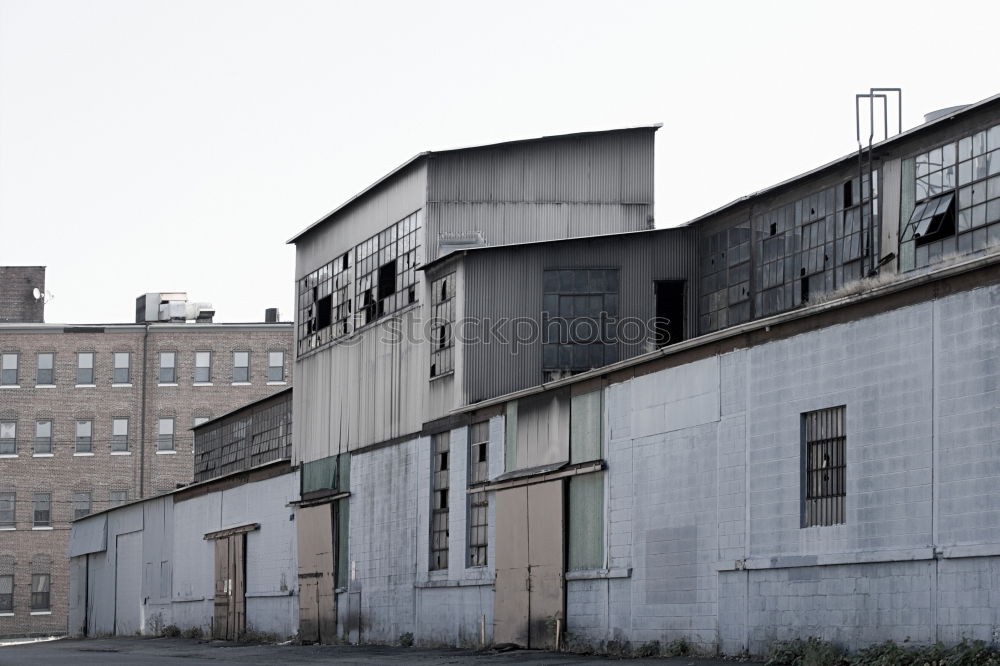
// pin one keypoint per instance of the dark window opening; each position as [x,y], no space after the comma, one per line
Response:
[848,194]
[934,219]
[774,228]
[387,279]
[324,315]
[804,286]
[669,325]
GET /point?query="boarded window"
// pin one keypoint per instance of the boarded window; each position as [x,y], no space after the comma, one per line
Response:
[586,521]
[439,501]
[824,444]
[577,310]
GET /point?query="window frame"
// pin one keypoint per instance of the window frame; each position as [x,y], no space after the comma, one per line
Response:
[81,370]
[202,373]
[280,377]
[824,447]
[113,502]
[46,595]
[39,369]
[119,443]
[81,498]
[477,503]
[46,440]
[11,522]
[8,441]
[43,498]
[115,368]
[440,502]
[7,598]
[167,374]
[86,440]
[9,375]
[245,368]
[443,304]
[162,437]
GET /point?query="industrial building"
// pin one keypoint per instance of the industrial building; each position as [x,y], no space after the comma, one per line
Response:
[523,415]
[97,415]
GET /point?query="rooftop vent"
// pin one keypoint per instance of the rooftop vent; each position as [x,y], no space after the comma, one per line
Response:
[271,316]
[171,306]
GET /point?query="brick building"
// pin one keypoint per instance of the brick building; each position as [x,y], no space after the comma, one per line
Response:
[96,415]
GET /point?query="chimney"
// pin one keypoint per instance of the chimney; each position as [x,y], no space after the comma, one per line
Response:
[22,294]
[271,316]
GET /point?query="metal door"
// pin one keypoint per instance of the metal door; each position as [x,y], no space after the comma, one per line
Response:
[530,595]
[317,603]
[128,584]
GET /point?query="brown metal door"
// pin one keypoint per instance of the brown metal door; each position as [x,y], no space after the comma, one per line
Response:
[545,563]
[220,620]
[510,611]
[529,585]
[317,604]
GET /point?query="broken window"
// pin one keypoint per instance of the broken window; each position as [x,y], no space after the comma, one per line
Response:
[478,502]
[669,324]
[578,308]
[442,323]
[385,267]
[933,219]
[439,501]
[325,305]
[825,466]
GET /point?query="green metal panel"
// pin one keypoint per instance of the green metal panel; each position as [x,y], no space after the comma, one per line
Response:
[344,473]
[343,517]
[319,474]
[585,438]
[586,522]
[510,437]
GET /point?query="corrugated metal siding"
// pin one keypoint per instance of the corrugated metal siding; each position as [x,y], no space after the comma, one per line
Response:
[889,193]
[507,283]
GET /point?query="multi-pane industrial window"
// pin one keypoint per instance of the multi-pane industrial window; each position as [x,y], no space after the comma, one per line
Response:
[84,436]
[439,501]
[442,324]
[165,435]
[85,368]
[276,366]
[478,502]
[578,308]
[44,375]
[119,434]
[8,369]
[40,591]
[241,366]
[118,497]
[7,593]
[41,509]
[81,504]
[168,367]
[374,279]
[8,437]
[325,304]
[43,437]
[8,514]
[825,466]
[386,270]
[122,370]
[202,367]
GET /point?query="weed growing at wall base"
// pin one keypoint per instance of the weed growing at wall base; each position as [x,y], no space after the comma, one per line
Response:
[815,652]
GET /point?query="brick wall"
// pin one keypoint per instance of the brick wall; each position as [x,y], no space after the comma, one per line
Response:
[17,300]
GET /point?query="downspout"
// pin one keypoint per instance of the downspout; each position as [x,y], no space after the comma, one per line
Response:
[142,416]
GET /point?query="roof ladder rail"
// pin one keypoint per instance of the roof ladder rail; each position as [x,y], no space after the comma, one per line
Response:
[865,160]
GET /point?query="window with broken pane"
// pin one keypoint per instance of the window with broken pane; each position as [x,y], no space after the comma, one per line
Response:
[325,304]
[579,308]
[442,325]
[825,468]
[478,502]
[386,270]
[439,501]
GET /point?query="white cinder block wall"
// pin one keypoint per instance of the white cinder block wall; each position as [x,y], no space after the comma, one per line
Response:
[704,507]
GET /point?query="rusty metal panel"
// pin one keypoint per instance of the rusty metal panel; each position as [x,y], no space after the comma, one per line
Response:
[317,603]
[546,532]
[511,602]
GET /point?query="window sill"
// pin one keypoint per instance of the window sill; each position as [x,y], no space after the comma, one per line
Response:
[8,455]
[83,455]
[6,615]
[277,383]
[42,529]
[42,455]
[203,384]
[168,384]
[464,582]
[165,453]
[10,386]
[121,453]
[7,529]
[598,574]
[85,385]
[121,385]
[45,385]
[41,612]
[240,384]
[450,373]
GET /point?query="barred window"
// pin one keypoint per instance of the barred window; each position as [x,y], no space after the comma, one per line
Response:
[385,269]
[439,501]
[81,504]
[43,437]
[84,436]
[8,437]
[442,323]
[478,502]
[825,466]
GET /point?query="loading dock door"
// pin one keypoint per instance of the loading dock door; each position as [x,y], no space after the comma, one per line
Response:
[317,603]
[229,620]
[128,583]
[530,595]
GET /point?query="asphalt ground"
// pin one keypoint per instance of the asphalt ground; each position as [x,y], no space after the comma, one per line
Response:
[190,652]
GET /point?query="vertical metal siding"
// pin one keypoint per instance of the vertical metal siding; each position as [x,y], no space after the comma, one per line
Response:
[508,284]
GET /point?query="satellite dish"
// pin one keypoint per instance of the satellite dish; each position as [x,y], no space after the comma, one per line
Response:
[37,294]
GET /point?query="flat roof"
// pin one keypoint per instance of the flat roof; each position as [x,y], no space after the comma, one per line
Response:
[427,153]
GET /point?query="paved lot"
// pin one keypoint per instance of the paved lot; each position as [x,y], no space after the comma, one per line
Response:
[178,651]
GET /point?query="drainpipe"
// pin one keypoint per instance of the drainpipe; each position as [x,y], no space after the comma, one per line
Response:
[142,416]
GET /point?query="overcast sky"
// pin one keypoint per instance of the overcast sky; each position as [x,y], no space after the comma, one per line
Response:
[176,145]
